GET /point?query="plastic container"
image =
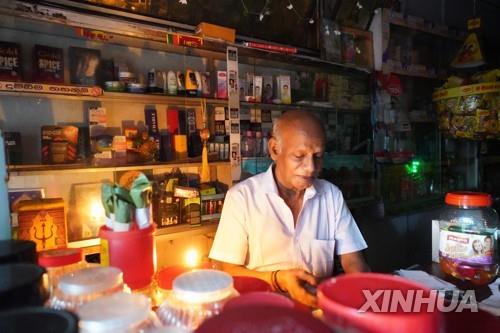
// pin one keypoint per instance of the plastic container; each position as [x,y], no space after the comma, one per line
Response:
[59,262]
[468,245]
[263,319]
[259,298]
[132,252]
[341,298]
[120,312]
[85,285]
[39,320]
[196,296]
[22,285]
[248,284]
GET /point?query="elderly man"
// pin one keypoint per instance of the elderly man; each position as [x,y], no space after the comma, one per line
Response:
[284,225]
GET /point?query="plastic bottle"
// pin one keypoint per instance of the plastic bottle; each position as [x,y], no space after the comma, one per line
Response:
[258,144]
[265,140]
[171,83]
[248,145]
[468,241]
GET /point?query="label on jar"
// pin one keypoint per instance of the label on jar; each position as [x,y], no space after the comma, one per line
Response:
[466,248]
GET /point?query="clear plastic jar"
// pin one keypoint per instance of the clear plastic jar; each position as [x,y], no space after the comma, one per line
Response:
[59,262]
[120,312]
[196,296]
[468,237]
[85,285]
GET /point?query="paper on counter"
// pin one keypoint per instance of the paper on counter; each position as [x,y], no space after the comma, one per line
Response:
[426,279]
[492,303]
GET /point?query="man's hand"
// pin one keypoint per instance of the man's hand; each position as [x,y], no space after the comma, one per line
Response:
[292,281]
[354,262]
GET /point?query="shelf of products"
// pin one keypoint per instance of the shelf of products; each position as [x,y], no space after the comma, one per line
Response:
[338,93]
[72,168]
[120,32]
[409,46]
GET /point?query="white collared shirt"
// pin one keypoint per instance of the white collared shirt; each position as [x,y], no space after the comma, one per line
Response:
[257,230]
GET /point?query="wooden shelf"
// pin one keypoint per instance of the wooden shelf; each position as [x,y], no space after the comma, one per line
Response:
[387,69]
[147,36]
[81,167]
[122,97]
[309,107]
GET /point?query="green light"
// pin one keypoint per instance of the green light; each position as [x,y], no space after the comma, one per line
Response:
[413,168]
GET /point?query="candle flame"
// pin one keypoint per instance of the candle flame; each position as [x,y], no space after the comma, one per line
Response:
[192,258]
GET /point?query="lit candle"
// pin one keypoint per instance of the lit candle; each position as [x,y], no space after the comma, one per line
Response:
[192,258]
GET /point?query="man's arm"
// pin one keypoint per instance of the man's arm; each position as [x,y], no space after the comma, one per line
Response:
[354,262]
[290,280]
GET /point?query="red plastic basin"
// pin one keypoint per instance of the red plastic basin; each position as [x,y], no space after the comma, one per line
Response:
[340,299]
[247,284]
[259,298]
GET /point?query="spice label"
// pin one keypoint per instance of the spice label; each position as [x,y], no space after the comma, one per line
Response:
[467,248]
[10,61]
[48,64]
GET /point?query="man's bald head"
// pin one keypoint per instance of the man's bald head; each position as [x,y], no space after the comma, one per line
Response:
[296,120]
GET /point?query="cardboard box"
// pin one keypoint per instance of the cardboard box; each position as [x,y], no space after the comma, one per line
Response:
[44,222]
[222,84]
[59,144]
[205,29]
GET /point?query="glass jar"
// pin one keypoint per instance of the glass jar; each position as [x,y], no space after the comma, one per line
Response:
[85,285]
[468,237]
[196,296]
[59,262]
[120,312]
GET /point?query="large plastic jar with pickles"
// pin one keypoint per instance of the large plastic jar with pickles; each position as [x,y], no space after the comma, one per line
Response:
[468,245]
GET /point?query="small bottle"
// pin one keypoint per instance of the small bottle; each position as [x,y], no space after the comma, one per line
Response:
[258,144]
[248,145]
[171,83]
[152,80]
[265,141]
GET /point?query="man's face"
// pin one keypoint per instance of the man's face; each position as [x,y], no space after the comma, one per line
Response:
[298,157]
[487,244]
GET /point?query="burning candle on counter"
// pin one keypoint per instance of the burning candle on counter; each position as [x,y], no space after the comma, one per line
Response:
[192,258]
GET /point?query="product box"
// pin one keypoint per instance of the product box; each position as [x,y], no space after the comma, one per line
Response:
[267,90]
[43,221]
[97,126]
[10,62]
[173,121]
[84,65]
[59,144]
[257,88]
[166,207]
[13,147]
[48,64]
[205,29]
[221,84]
[191,210]
[284,90]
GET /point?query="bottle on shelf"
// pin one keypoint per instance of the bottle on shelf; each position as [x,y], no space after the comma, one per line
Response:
[265,140]
[248,145]
[258,144]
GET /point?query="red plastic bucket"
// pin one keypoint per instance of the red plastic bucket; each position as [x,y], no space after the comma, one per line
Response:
[340,299]
[132,251]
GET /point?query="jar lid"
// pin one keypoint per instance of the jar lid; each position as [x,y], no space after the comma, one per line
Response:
[59,257]
[12,251]
[468,199]
[37,319]
[202,286]
[114,313]
[90,280]
[14,276]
